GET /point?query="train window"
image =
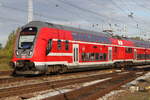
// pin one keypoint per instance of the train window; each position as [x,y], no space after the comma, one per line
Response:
[59,45]
[49,46]
[67,45]
[87,56]
[141,56]
[83,56]
[94,46]
[27,38]
[148,56]
[97,56]
[105,56]
[26,41]
[92,57]
[128,50]
[100,56]
[115,50]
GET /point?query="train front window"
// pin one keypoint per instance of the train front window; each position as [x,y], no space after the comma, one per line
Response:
[27,37]
[26,41]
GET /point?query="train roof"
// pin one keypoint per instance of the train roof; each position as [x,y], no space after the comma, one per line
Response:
[51,25]
[139,43]
[78,34]
[86,35]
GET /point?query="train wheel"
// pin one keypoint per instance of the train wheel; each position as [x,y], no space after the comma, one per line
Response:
[63,69]
[120,65]
[117,65]
[14,73]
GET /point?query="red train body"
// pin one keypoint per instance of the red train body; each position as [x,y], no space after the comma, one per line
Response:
[44,48]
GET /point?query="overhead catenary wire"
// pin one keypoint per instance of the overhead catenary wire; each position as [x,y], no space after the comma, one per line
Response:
[68,11]
[99,16]
[5,19]
[133,19]
[102,17]
[89,11]
[116,6]
[35,13]
[129,16]
[138,24]
[82,9]
[76,15]
[127,6]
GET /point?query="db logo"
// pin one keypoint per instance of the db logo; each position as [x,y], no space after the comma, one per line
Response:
[120,42]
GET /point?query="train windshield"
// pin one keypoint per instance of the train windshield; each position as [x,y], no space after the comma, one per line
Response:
[27,37]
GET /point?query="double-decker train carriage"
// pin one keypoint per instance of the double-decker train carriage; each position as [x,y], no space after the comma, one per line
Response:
[43,47]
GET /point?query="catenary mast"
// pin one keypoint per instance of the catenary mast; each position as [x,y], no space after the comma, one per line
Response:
[30,10]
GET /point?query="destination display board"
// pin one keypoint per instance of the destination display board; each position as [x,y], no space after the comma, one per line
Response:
[29,31]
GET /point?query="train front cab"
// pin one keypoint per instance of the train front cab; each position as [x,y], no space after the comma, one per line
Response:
[24,50]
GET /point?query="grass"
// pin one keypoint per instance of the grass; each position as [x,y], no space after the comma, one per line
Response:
[4,67]
[4,64]
[134,96]
[128,95]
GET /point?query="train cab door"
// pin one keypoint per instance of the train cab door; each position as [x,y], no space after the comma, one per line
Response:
[109,53]
[135,54]
[75,54]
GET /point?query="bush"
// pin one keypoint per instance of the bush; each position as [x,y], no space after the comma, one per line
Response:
[6,53]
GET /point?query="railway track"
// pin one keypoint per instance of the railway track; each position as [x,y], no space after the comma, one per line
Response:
[10,79]
[30,88]
[93,92]
[13,81]
[104,83]
[5,73]
[43,86]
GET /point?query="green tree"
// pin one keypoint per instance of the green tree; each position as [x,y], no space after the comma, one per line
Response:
[0,46]
[8,49]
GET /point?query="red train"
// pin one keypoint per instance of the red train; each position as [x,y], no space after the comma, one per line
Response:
[43,47]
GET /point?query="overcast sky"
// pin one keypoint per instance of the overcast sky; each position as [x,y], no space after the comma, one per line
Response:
[125,17]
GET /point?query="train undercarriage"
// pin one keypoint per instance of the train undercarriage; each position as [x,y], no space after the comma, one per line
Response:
[25,67]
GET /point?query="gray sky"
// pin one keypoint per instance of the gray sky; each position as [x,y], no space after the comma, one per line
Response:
[104,14]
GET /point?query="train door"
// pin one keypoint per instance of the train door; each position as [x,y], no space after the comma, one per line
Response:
[145,55]
[75,53]
[110,53]
[135,54]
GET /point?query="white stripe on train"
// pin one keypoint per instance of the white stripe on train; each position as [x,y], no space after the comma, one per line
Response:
[85,63]
[102,44]
[60,54]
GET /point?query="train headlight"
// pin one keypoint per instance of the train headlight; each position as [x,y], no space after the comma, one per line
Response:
[17,53]
[30,53]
